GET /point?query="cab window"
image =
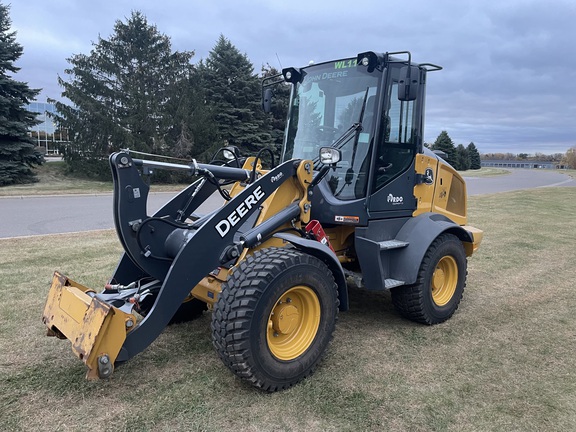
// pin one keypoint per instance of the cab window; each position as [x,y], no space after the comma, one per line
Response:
[396,142]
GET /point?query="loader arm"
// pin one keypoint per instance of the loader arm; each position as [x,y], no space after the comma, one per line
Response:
[194,261]
[130,201]
[171,252]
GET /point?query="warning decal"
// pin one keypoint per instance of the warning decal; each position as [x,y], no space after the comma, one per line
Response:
[347,219]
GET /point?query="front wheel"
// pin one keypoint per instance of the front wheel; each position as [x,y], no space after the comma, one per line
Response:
[275,317]
[441,280]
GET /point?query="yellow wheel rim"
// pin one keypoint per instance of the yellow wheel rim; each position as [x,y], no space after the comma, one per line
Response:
[293,323]
[444,280]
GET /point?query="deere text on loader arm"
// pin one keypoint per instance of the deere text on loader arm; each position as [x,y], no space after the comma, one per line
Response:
[356,198]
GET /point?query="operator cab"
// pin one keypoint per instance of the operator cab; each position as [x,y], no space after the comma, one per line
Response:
[370,108]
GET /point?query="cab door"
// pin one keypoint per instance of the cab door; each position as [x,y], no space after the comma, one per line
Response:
[392,176]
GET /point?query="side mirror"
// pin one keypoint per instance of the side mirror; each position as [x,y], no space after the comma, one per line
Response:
[408,83]
[330,155]
[267,100]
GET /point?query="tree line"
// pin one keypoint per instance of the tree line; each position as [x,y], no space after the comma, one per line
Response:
[465,158]
[132,90]
[460,157]
[555,157]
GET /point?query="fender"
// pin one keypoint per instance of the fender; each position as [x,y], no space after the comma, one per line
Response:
[325,254]
[420,232]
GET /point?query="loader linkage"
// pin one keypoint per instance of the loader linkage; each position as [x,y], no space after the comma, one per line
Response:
[168,258]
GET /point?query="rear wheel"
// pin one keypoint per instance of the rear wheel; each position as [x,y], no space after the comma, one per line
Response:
[440,284]
[275,317]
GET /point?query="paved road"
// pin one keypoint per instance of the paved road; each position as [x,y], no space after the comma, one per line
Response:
[24,216]
[29,215]
[518,179]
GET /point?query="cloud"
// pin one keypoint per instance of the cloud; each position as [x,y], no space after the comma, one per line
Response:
[509,67]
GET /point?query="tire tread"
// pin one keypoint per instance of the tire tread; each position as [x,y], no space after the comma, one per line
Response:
[410,301]
[236,304]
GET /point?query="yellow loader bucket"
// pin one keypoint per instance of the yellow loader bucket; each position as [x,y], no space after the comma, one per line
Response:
[96,329]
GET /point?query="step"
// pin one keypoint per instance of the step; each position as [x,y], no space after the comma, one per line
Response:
[392,244]
[392,283]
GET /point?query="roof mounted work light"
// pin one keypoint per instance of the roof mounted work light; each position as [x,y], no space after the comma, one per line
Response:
[292,75]
[369,60]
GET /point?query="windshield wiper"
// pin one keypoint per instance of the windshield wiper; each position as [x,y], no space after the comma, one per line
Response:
[354,129]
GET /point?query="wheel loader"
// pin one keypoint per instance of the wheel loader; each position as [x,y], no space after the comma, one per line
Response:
[356,199]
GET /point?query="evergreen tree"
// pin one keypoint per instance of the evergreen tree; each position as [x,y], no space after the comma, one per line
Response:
[194,130]
[18,153]
[462,158]
[444,143]
[122,96]
[234,91]
[474,156]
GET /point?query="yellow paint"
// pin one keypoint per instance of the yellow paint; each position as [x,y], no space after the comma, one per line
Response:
[478,235]
[444,280]
[342,239]
[423,192]
[93,326]
[208,290]
[450,194]
[293,323]
[446,195]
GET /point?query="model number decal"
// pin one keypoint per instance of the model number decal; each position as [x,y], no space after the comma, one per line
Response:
[239,212]
[343,64]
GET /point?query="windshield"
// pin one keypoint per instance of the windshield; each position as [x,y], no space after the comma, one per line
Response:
[325,104]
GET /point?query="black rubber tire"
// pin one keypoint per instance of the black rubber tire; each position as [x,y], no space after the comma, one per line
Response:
[416,302]
[241,316]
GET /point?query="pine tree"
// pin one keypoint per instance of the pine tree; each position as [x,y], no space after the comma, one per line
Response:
[444,143]
[462,158]
[194,130]
[18,153]
[474,155]
[234,91]
[122,95]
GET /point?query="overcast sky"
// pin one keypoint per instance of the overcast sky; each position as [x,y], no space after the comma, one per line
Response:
[509,78]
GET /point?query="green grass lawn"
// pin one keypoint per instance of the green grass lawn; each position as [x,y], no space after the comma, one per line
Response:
[52,180]
[570,172]
[485,172]
[504,362]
